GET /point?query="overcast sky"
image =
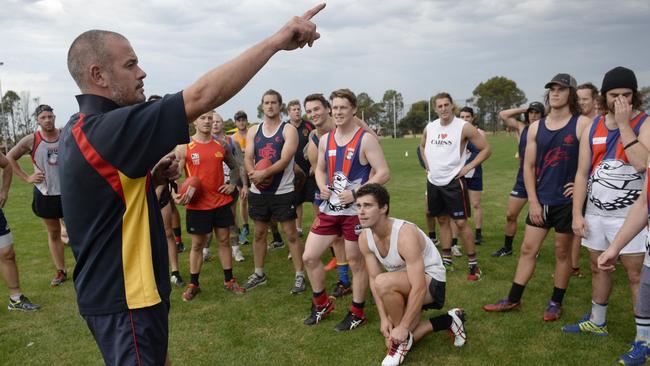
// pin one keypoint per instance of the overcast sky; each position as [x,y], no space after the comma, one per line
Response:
[414,46]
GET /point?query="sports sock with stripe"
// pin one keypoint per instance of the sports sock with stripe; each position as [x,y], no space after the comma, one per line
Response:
[357,308]
[642,329]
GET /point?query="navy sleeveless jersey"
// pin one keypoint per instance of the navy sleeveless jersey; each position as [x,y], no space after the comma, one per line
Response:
[556,162]
[473,151]
[271,148]
[304,130]
[523,139]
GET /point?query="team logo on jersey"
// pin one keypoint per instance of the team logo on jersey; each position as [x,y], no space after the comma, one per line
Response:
[614,185]
[349,154]
[268,151]
[569,140]
[218,154]
[441,140]
[552,158]
[195,158]
[52,156]
[340,183]
[278,139]
[599,140]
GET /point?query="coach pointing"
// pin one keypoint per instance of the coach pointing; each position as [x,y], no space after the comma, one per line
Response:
[108,151]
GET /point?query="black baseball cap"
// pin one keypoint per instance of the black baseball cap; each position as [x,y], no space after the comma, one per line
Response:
[537,107]
[42,108]
[564,80]
[241,114]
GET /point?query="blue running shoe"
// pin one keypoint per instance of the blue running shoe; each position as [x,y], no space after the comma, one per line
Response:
[242,237]
[586,326]
[637,355]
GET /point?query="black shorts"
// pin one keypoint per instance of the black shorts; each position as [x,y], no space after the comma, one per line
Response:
[437,291]
[202,222]
[519,190]
[475,183]
[132,337]
[46,207]
[558,217]
[306,194]
[263,207]
[450,200]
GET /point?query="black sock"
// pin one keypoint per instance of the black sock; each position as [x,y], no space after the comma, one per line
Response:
[478,233]
[358,305]
[318,294]
[246,227]
[432,235]
[558,295]
[194,278]
[508,242]
[441,322]
[176,273]
[177,231]
[516,291]
[227,274]
[454,241]
[277,236]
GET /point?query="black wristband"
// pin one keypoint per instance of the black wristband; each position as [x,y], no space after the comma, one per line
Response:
[630,144]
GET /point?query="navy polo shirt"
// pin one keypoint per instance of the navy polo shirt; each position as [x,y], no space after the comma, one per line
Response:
[112,214]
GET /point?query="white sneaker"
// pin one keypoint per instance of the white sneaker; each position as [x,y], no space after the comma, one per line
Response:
[455,251]
[397,352]
[457,327]
[237,254]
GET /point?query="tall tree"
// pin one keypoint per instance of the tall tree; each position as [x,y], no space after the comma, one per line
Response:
[368,110]
[10,103]
[392,107]
[416,118]
[494,95]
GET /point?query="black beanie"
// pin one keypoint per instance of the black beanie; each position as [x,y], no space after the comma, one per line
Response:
[618,77]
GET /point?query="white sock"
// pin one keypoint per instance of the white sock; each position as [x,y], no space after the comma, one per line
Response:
[642,329]
[15,297]
[598,313]
[300,273]
[259,271]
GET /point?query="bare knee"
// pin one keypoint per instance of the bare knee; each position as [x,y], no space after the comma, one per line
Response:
[8,254]
[443,220]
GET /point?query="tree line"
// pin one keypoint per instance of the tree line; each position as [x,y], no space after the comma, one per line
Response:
[16,117]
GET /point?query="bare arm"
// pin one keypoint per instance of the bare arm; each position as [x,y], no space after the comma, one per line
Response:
[637,154]
[220,84]
[530,179]
[508,118]
[249,153]
[423,142]
[580,185]
[312,156]
[23,147]
[6,179]
[321,172]
[230,161]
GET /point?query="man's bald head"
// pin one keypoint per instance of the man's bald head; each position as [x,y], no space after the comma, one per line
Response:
[90,47]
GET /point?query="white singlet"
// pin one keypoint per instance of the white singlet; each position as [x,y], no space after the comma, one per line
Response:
[394,262]
[443,151]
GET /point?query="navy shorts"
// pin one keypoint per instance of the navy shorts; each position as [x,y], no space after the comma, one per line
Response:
[132,337]
[280,207]
[437,291]
[475,184]
[46,207]
[558,217]
[519,190]
[201,222]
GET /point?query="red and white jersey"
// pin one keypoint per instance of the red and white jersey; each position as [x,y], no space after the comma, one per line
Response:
[45,157]
[614,184]
[443,151]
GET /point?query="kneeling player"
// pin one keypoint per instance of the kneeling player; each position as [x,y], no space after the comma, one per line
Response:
[415,277]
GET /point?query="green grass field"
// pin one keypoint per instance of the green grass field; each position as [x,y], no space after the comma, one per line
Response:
[264,327]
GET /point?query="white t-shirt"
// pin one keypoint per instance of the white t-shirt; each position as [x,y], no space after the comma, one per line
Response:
[443,151]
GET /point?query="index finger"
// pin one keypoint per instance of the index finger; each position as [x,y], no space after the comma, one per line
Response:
[313,11]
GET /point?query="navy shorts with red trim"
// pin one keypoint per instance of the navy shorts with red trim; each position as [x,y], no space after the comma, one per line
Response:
[451,200]
[132,337]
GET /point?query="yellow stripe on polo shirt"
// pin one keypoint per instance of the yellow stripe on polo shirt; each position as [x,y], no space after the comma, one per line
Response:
[137,264]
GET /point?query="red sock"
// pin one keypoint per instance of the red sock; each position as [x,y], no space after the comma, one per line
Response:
[321,299]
